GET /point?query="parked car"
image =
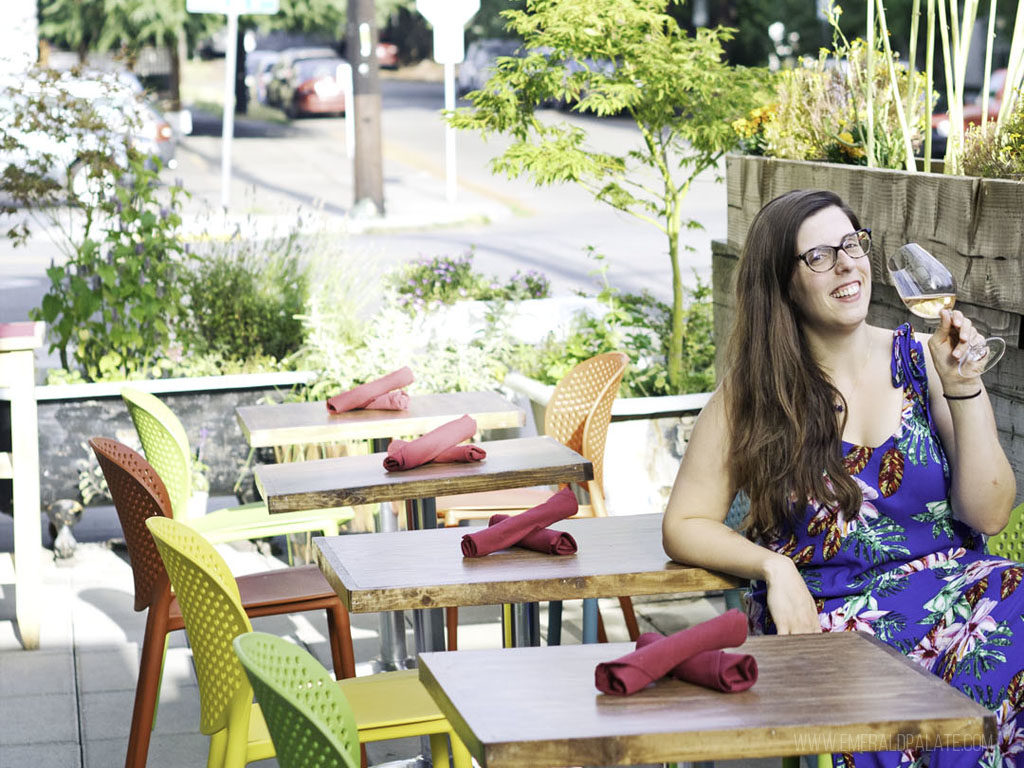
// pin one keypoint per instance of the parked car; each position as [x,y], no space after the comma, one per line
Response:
[481,55]
[280,85]
[972,112]
[258,65]
[62,153]
[387,55]
[315,87]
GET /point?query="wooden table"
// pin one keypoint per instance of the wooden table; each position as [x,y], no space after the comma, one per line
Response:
[417,569]
[295,423]
[18,342]
[844,692]
[363,480]
[348,480]
[311,422]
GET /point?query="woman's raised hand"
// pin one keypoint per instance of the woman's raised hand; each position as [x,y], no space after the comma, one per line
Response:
[790,603]
[949,345]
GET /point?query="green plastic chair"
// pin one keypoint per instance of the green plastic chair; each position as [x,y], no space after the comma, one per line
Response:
[166,447]
[1009,542]
[310,720]
[388,705]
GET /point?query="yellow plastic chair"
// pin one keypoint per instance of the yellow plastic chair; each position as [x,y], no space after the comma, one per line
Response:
[578,416]
[389,705]
[1009,542]
[166,447]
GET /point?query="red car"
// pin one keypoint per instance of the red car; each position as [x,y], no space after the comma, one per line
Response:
[317,87]
[387,55]
[972,112]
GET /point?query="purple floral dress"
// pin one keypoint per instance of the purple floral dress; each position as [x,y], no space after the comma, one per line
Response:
[905,571]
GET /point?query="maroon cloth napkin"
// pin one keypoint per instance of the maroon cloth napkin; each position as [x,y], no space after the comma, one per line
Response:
[546,540]
[728,672]
[406,455]
[391,401]
[510,532]
[364,394]
[460,453]
[634,671]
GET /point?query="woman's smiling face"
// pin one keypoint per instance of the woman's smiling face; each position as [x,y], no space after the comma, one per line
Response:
[837,298]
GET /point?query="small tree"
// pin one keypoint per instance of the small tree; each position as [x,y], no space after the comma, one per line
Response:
[608,57]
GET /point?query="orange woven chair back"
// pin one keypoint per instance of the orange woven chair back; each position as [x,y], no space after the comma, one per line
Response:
[138,493]
[581,407]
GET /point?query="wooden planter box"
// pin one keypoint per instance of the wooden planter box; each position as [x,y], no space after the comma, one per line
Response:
[974,226]
[70,414]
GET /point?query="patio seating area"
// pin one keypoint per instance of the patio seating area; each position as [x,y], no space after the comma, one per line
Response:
[68,704]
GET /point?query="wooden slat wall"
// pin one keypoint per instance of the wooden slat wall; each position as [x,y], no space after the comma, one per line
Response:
[975,226]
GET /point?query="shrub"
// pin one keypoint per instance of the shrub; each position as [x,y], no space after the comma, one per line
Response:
[640,326]
[245,300]
[444,280]
[994,153]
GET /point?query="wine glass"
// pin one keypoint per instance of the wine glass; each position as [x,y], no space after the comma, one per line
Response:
[927,287]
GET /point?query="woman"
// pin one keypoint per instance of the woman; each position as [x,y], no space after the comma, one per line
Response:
[871,464]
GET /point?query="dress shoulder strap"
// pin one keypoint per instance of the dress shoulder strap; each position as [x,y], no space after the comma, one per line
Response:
[908,365]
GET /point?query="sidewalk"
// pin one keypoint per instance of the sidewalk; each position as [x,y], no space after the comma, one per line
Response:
[68,704]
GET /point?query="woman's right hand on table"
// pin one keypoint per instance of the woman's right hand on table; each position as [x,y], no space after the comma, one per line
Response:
[789,601]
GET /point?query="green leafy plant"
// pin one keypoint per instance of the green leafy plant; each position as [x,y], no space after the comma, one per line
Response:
[243,299]
[107,306]
[639,325]
[443,280]
[624,57]
[995,152]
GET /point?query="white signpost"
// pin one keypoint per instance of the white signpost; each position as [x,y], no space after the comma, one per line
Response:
[448,18]
[233,9]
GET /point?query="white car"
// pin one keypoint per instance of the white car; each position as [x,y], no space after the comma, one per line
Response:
[41,127]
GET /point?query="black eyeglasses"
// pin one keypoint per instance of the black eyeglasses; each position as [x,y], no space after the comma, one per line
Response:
[824,257]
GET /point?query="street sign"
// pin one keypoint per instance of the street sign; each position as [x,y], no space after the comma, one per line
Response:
[448,18]
[241,7]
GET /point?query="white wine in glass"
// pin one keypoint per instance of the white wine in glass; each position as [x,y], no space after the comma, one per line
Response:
[927,287]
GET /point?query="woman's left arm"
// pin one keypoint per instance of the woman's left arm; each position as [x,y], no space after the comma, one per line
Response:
[983,485]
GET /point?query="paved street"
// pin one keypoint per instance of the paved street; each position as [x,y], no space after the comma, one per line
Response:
[279,168]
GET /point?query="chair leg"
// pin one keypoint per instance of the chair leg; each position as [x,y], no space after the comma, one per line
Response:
[602,635]
[460,754]
[439,749]
[825,760]
[147,688]
[555,622]
[451,619]
[629,615]
[590,619]
[791,762]
[340,630]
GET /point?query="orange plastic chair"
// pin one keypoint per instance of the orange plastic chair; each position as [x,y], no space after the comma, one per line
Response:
[138,494]
[578,416]
[388,705]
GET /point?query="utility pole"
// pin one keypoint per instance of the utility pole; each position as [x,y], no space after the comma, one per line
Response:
[361,48]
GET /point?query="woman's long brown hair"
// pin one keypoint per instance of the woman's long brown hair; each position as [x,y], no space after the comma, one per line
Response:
[786,439]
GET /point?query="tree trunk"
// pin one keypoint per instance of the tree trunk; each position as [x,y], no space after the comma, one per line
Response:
[361,49]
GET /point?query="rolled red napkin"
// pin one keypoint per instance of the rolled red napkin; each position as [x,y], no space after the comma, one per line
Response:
[728,672]
[634,671]
[546,540]
[390,401]
[406,455]
[509,532]
[364,394]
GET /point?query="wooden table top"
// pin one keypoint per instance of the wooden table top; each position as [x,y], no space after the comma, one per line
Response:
[293,423]
[426,569]
[538,707]
[350,480]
